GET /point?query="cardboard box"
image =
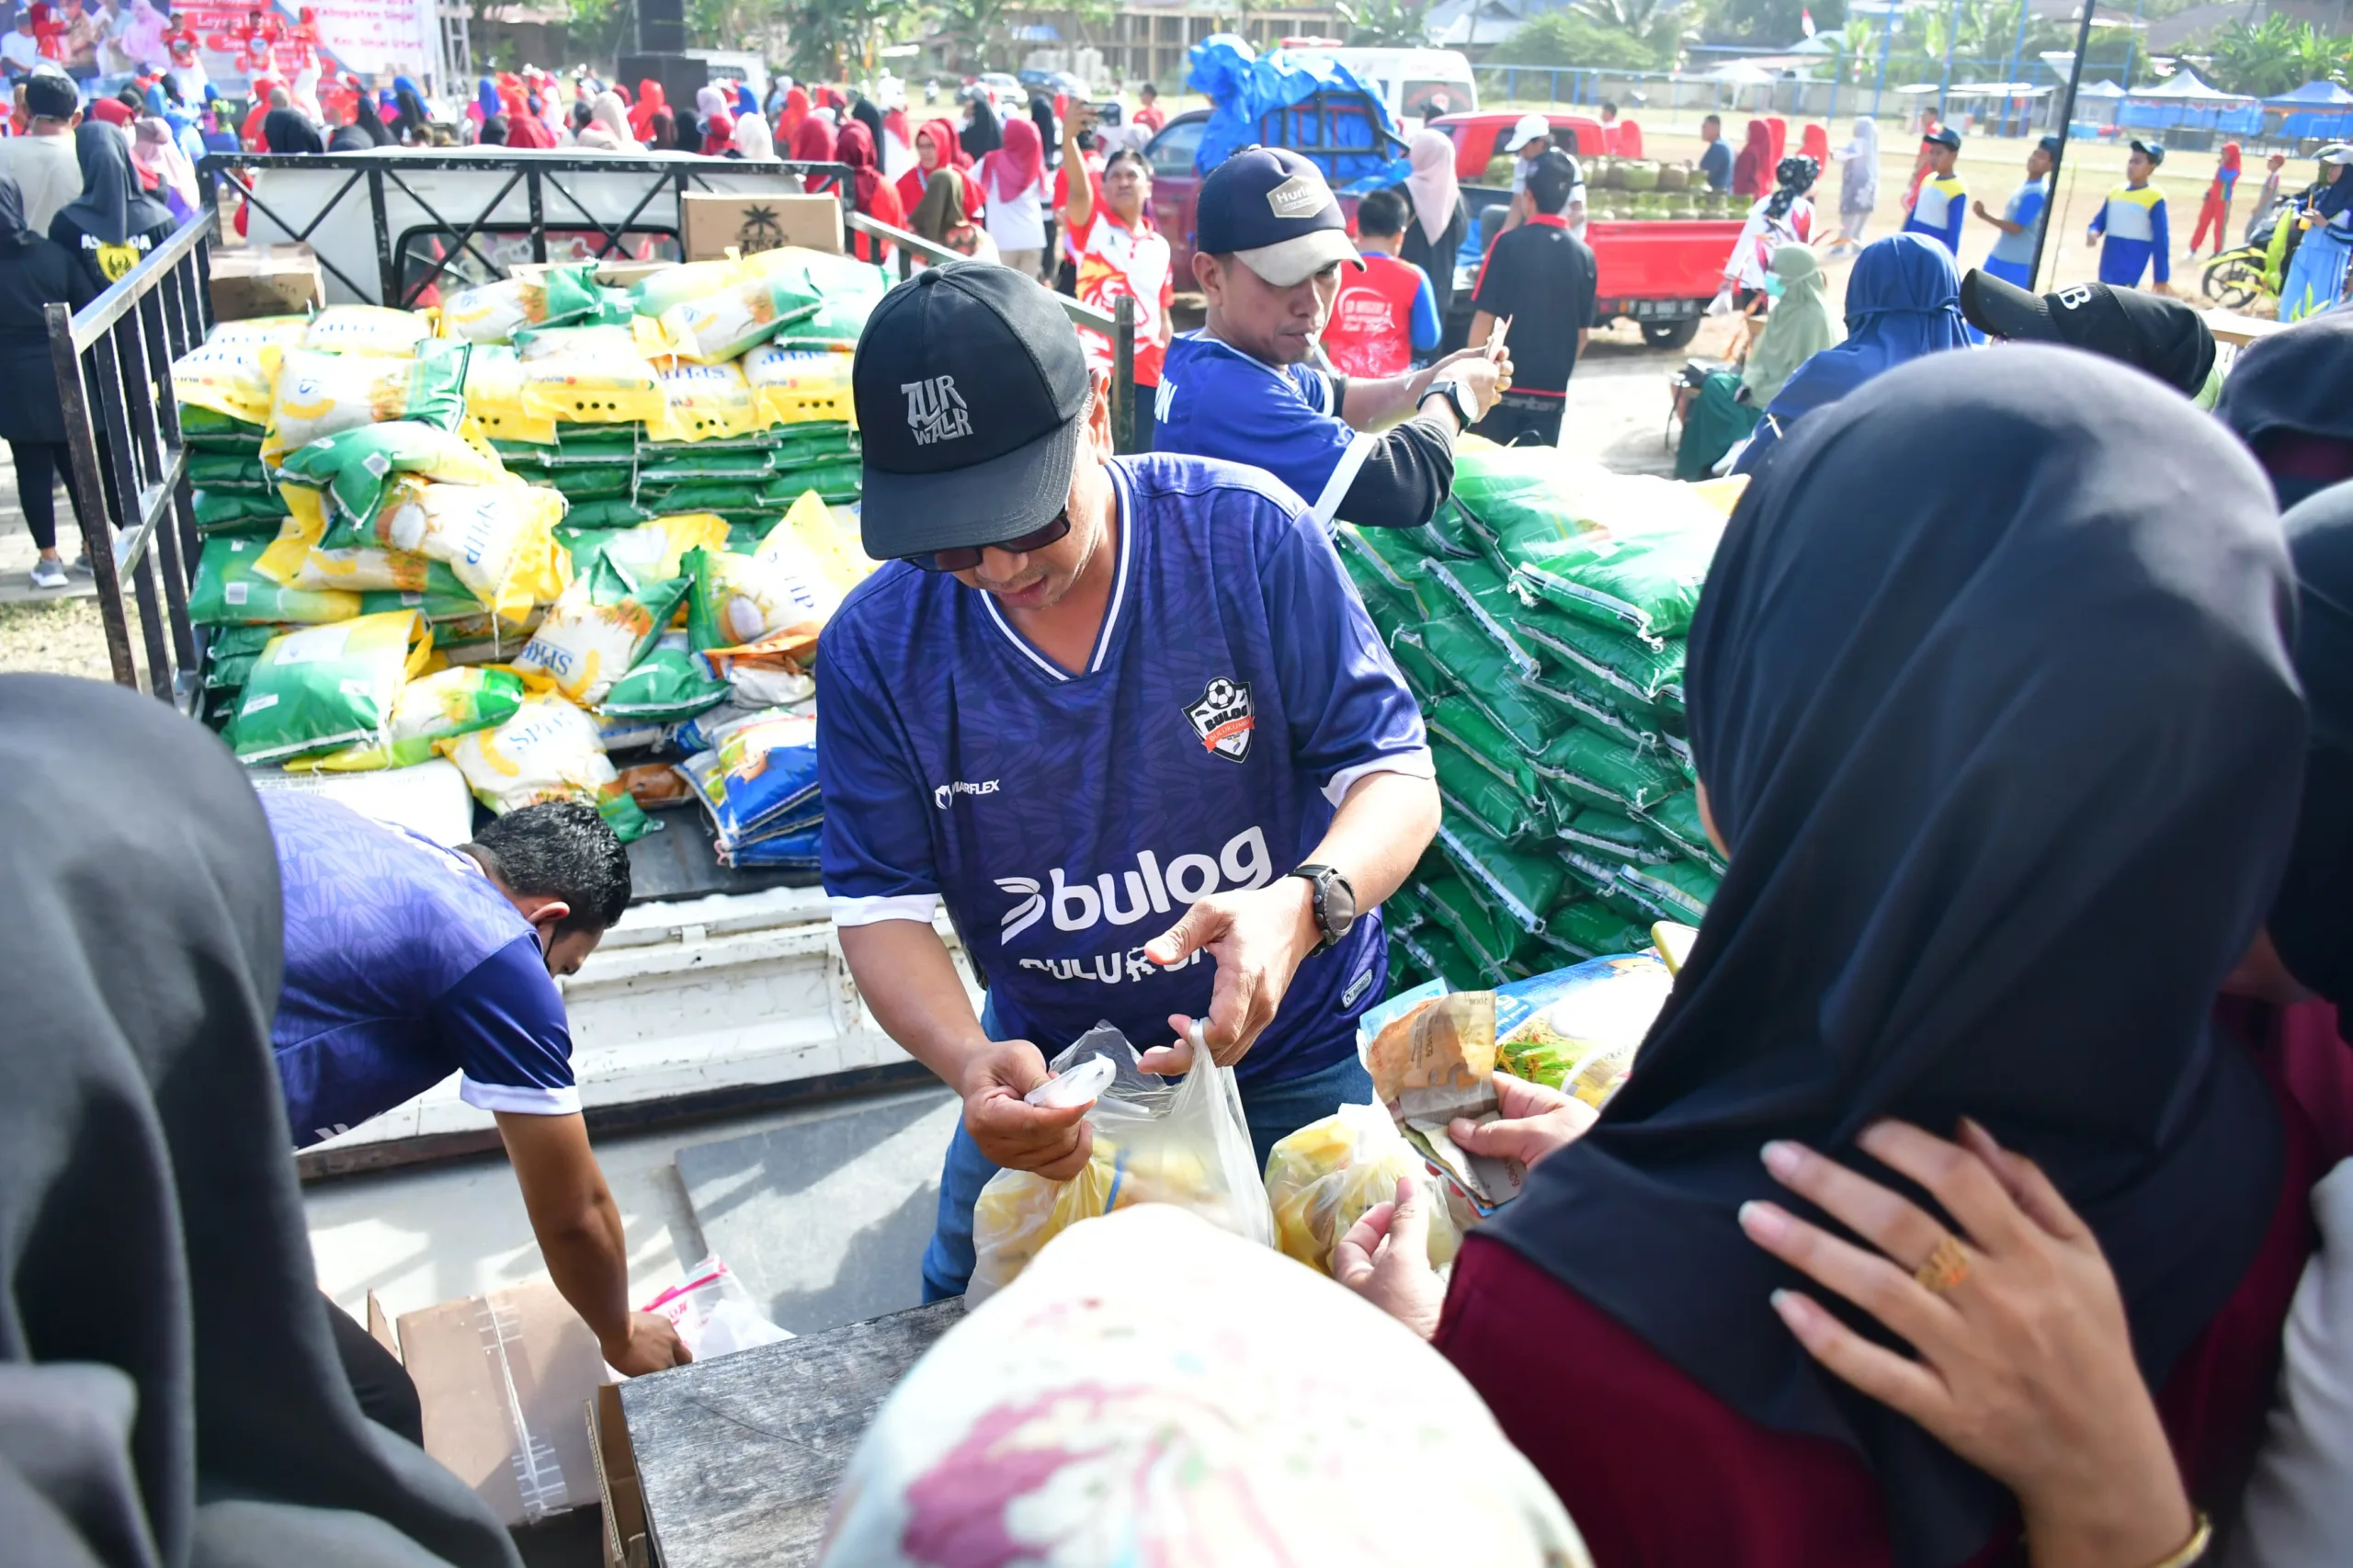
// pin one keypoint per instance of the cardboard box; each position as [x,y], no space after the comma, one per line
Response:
[502,1378]
[617,1482]
[267,281]
[709,223]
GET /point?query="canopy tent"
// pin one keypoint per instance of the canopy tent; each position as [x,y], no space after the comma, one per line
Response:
[2104,90]
[2183,86]
[2182,101]
[2313,95]
[1740,73]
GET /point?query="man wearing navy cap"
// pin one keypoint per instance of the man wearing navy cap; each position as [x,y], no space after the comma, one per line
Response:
[2130,227]
[1937,208]
[2012,257]
[1269,244]
[1125,719]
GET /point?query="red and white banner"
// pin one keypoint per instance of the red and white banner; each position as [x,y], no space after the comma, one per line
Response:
[236,42]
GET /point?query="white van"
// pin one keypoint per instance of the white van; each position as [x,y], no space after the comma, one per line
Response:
[1417,84]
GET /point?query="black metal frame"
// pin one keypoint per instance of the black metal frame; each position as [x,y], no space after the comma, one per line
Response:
[113,364]
[1118,325]
[538,176]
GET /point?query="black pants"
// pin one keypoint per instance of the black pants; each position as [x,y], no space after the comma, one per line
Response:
[40,466]
[1523,419]
[386,1396]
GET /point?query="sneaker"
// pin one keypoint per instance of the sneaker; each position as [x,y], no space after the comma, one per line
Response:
[81,567]
[49,573]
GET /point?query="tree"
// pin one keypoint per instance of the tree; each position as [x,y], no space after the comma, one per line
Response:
[1384,23]
[2275,56]
[1656,24]
[1571,37]
[972,26]
[1771,23]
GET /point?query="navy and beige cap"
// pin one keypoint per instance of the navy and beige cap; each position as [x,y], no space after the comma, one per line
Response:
[970,383]
[1272,208]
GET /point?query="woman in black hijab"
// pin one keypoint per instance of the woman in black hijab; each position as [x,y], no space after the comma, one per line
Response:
[367,129]
[291,131]
[492,133]
[35,273]
[2006,771]
[168,1394]
[2290,398]
[111,226]
[984,135]
[865,112]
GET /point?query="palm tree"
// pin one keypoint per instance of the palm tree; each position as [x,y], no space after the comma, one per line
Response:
[1384,23]
[1658,23]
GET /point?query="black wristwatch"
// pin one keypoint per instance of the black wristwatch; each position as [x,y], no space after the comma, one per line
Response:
[1465,412]
[1336,905]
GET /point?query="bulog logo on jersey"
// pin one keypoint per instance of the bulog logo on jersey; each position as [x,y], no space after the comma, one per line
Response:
[1147,888]
[1222,718]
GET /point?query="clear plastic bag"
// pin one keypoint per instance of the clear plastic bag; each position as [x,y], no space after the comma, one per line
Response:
[1322,1178]
[713,1313]
[1156,1140]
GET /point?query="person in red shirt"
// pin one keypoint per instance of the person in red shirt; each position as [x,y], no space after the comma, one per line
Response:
[1151,115]
[1385,314]
[936,146]
[1079,150]
[1118,252]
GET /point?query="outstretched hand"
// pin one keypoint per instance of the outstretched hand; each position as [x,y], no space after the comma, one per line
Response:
[1258,938]
[1385,1259]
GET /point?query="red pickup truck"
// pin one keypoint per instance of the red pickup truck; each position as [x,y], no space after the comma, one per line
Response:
[1658,275]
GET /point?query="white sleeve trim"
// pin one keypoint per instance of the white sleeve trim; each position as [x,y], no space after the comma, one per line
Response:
[1344,473]
[522,1099]
[916,907]
[1411,764]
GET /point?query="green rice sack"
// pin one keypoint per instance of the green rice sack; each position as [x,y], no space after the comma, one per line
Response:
[443,597]
[320,395]
[230,652]
[599,629]
[1583,701]
[603,483]
[619,513]
[594,445]
[670,683]
[229,592]
[1677,820]
[432,708]
[235,470]
[1403,910]
[835,482]
[328,686]
[1488,938]
[1484,599]
[1414,662]
[717,464]
[1469,790]
[209,429]
[1588,928]
[722,325]
[354,466]
[1647,676]
[1675,890]
[1607,832]
[1523,886]
[1521,498]
[1589,766]
[1646,584]
[1490,682]
[239,512]
[1436,953]
[1455,722]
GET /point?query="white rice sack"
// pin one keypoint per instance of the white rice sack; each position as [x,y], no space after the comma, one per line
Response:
[549,751]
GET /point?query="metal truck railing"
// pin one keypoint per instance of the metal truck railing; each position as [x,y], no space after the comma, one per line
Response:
[1118,325]
[127,465]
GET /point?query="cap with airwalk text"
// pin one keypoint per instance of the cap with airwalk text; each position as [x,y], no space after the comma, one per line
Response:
[969,385]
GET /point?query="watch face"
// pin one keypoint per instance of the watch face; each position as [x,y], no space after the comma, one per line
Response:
[1339,907]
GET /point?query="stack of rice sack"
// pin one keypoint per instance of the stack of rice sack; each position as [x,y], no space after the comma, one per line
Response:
[1540,621]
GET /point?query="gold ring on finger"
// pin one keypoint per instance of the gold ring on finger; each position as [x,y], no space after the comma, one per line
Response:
[1947,1265]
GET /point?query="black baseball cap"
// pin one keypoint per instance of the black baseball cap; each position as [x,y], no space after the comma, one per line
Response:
[1944,136]
[1272,207]
[970,386]
[51,94]
[2049,144]
[1551,180]
[2163,338]
[2154,151]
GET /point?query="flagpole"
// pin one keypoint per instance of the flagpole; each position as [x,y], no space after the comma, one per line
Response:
[2066,122]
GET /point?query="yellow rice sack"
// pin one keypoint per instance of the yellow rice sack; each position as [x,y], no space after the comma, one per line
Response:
[318,395]
[652,552]
[229,373]
[443,705]
[368,329]
[498,538]
[675,286]
[590,375]
[495,397]
[704,401]
[547,751]
[295,561]
[799,386]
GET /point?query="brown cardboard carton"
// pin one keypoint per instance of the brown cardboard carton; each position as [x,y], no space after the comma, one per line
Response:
[709,225]
[502,1378]
[267,281]
[617,1482]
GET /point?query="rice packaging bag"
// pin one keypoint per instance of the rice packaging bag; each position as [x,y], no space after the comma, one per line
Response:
[1646,583]
[1677,820]
[1677,891]
[1589,766]
[229,374]
[1322,1178]
[768,767]
[652,551]
[785,593]
[239,511]
[368,329]
[495,399]
[499,539]
[799,386]
[706,401]
[669,683]
[659,292]
[440,706]
[206,428]
[355,466]
[294,560]
[328,686]
[322,394]
[723,324]
[228,591]
[547,751]
[230,471]
[594,375]
[1581,928]
[600,627]
[1523,886]
[1578,1029]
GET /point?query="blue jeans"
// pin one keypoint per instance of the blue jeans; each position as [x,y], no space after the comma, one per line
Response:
[1274,1111]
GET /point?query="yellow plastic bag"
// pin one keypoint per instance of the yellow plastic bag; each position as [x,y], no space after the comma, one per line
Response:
[547,751]
[1156,1142]
[652,551]
[590,375]
[801,386]
[498,538]
[368,329]
[230,374]
[813,525]
[328,686]
[439,706]
[295,560]
[600,627]
[705,402]
[675,286]
[495,397]
[1322,1178]
[319,394]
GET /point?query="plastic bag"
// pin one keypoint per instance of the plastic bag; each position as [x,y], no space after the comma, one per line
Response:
[1577,1030]
[768,773]
[229,592]
[547,751]
[1156,1142]
[498,539]
[787,591]
[1470,791]
[1485,602]
[798,386]
[1644,583]
[658,292]
[652,551]
[324,394]
[669,683]
[239,512]
[599,628]
[707,403]
[355,466]
[494,399]
[1588,928]
[713,1313]
[236,470]
[1608,831]
[328,686]
[723,324]
[229,373]
[1522,886]
[1676,819]
[1678,891]
[437,707]
[1489,937]
[594,375]
[294,560]
[1322,1178]
[368,329]
[1588,766]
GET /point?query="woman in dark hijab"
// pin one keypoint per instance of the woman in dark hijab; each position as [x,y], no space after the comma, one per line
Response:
[170,1392]
[492,133]
[112,225]
[984,135]
[866,115]
[366,128]
[2006,771]
[291,131]
[414,120]
[662,131]
[35,273]
[2290,398]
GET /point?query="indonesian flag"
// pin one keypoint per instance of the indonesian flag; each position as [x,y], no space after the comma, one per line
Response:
[1806,22]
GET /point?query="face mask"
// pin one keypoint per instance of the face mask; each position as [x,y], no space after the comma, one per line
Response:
[1774,285]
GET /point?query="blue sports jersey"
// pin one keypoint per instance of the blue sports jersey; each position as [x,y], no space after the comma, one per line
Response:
[1236,692]
[2026,208]
[1937,212]
[1217,402]
[403,965]
[2132,223]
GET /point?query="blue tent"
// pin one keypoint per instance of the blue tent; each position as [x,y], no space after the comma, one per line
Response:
[1321,110]
[2313,95]
[2316,108]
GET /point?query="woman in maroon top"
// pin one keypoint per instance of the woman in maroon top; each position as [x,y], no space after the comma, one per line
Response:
[2007,771]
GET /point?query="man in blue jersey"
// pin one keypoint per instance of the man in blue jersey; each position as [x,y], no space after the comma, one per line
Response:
[2012,257]
[1942,201]
[1270,245]
[1124,719]
[2130,227]
[406,962]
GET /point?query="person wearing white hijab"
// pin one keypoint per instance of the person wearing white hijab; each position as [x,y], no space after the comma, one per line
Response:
[1439,221]
[607,129]
[1155,1390]
[753,138]
[1858,162]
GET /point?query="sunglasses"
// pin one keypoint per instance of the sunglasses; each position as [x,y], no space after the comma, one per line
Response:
[965,557]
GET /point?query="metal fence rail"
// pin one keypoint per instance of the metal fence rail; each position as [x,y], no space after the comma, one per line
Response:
[128,469]
[1118,325]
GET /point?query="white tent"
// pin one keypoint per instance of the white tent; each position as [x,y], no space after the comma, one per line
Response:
[2099,90]
[2183,86]
[1740,73]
